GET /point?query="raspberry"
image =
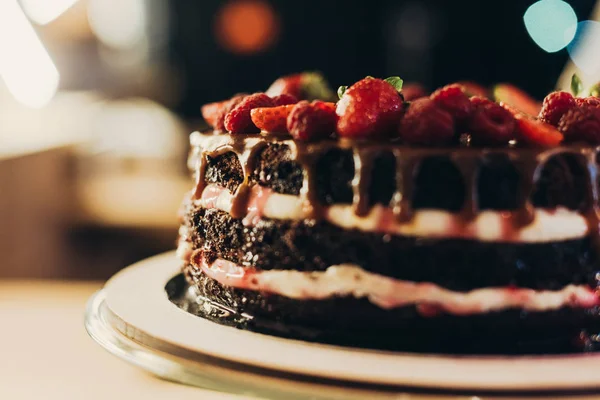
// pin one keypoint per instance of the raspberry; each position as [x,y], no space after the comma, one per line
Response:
[369,108]
[426,123]
[272,119]
[238,120]
[453,99]
[413,91]
[490,123]
[581,124]
[587,101]
[284,99]
[554,107]
[310,121]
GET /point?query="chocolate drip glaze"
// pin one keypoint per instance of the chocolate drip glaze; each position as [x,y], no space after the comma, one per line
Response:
[527,162]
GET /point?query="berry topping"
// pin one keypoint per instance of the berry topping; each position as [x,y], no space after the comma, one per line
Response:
[211,112]
[284,99]
[413,91]
[369,108]
[516,98]
[426,123]
[555,105]
[474,89]
[216,112]
[587,101]
[453,99]
[303,86]
[238,120]
[272,119]
[537,133]
[310,121]
[491,123]
[581,124]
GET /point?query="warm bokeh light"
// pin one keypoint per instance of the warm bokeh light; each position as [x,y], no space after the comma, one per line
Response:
[584,49]
[45,11]
[247,26]
[119,24]
[25,66]
[551,24]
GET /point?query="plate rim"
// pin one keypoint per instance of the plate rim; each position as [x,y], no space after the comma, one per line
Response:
[137,296]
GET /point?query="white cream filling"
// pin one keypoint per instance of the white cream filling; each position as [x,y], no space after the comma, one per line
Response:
[488,226]
[388,293]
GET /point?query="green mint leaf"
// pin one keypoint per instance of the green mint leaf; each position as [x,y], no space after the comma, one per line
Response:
[595,90]
[341,91]
[395,81]
[576,85]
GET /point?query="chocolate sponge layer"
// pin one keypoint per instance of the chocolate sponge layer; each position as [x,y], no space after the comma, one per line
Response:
[438,184]
[357,322]
[452,263]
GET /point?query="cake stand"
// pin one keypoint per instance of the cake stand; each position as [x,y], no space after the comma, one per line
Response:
[133,318]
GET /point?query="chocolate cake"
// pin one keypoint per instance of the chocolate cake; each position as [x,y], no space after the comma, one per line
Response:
[465,243]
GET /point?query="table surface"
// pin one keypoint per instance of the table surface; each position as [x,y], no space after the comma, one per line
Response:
[45,352]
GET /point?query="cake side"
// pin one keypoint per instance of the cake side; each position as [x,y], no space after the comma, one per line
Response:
[353,222]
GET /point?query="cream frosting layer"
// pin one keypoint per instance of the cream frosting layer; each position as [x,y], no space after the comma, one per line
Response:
[488,226]
[388,293]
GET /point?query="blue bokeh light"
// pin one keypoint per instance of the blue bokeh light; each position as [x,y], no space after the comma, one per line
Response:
[551,24]
[585,48]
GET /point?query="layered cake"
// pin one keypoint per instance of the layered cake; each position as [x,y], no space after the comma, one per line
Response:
[448,223]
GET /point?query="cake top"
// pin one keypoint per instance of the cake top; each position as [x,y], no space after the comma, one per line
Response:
[303,107]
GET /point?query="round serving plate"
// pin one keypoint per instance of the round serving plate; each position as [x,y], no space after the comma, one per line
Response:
[133,311]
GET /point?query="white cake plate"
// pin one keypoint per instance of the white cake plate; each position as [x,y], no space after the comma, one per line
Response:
[133,318]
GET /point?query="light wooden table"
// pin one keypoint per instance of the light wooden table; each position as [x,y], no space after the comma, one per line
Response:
[45,352]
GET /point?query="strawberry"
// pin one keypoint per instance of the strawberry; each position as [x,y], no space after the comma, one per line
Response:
[310,121]
[272,119]
[516,98]
[211,112]
[474,89]
[238,120]
[303,86]
[537,133]
[369,108]
[284,99]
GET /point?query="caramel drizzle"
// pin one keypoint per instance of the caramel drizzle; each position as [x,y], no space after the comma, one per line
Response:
[528,163]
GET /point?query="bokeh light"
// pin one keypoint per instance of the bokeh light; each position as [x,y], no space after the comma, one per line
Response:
[45,11]
[118,24]
[247,26]
[584,49]
[551,24]
[25,66]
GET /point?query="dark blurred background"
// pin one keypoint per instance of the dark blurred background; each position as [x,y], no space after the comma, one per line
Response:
[432,42]
[97,97]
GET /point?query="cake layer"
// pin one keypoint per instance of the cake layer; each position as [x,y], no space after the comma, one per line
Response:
[357,322]
[454,264]
[488,226]
[464,181]
[348,280]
